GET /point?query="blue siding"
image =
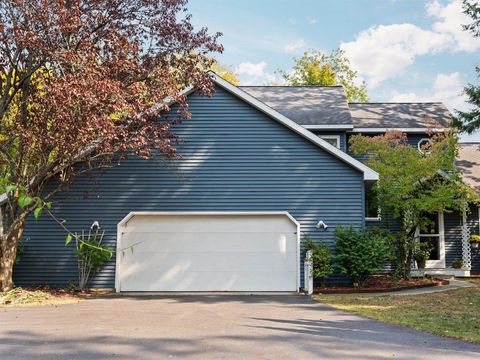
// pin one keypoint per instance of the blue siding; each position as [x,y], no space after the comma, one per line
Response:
[233,158]
[453,237]
[474,222]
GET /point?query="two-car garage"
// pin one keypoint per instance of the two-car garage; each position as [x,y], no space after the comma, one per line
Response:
[200,251]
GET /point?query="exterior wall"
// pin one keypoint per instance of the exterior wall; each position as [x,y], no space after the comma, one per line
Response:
[453,237]
[233,158]
[474,222]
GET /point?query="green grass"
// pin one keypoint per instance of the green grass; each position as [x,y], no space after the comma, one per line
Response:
[454,313]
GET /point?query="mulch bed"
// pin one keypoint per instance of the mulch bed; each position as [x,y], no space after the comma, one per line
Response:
[45,295]
[382,283]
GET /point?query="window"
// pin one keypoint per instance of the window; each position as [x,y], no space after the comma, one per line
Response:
[372,209]
[431,232]
[331,139]
[423,145]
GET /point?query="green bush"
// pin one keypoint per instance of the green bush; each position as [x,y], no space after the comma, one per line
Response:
[91,254]
[361,253]
[321,259]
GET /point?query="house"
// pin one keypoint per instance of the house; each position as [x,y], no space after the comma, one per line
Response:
[259,167]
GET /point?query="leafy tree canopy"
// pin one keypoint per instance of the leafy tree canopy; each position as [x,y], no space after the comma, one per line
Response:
[413,183]
[316,68]
[82,80]
[225,72]
[412,180]
[469,121]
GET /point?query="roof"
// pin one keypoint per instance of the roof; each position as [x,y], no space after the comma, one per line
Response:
[468,162]
[400,115]
[306,105]
[368,173]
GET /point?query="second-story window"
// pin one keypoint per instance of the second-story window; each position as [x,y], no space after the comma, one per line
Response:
[331,139]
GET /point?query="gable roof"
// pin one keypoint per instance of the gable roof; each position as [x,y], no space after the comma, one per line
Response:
[368,174]
[400,115]
[468,162]
[306,105]
[326,107]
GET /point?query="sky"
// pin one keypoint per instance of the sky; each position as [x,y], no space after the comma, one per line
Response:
[405,50]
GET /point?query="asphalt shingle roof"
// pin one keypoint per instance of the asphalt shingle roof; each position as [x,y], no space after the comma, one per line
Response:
[306,105]
[400,115]
[468,162]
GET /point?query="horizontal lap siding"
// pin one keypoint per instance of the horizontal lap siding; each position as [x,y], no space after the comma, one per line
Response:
[233,158]
[453,237]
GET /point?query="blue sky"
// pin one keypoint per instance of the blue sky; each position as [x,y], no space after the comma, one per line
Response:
[405,50]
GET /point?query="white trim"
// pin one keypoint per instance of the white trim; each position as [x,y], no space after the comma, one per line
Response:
[132,214]
[330,137]
[329,127]
[368,174]
[408,130]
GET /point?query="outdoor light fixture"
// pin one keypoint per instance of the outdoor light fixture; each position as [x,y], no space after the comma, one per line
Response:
[321,225]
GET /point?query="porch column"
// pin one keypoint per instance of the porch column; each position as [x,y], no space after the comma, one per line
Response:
[466,249]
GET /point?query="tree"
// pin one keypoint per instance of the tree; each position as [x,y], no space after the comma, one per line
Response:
[225,72]
[319,69]
[86,82]
[412,183]
[469,121]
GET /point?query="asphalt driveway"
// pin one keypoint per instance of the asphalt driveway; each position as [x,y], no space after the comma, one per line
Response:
[211,327]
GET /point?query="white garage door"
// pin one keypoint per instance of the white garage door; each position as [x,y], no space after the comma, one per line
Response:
[207,252]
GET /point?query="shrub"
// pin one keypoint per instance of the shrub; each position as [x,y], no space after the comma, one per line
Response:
[321,259]
[91,254]
[361,253]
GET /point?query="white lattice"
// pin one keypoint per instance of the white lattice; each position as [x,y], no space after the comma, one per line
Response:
[466,249]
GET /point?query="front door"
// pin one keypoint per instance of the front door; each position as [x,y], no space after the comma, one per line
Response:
[433,234]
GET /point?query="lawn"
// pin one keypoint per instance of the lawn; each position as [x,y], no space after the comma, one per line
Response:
[454,313]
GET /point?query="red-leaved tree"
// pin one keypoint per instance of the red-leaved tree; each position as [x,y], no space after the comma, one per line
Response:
[80,81]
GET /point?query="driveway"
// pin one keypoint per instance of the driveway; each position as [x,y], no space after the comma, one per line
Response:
[211,327]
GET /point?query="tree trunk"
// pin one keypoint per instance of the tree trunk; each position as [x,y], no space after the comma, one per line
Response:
[8,253]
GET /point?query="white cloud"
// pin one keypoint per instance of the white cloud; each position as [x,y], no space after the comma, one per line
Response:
[450,20]
[446,88]
[382,52]
[294,46]
[312,21]
[251,69]
[254,73]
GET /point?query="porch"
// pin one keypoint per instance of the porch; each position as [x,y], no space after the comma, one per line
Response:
[449,235]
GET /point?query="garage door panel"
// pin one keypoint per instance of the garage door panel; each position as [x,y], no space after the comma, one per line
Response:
[215,242]
[207,224]
[208,253]
[214,281]
[161,262]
